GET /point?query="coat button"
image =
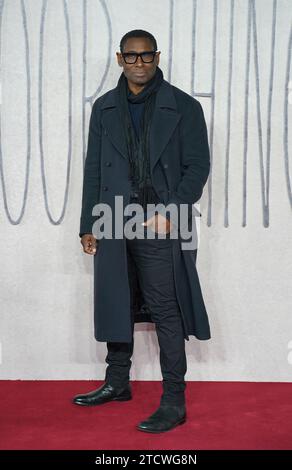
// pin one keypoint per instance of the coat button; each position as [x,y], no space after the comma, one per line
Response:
[105,188]
[165,165]
[108,164]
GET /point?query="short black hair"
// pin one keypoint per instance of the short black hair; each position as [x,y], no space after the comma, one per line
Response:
[138,33]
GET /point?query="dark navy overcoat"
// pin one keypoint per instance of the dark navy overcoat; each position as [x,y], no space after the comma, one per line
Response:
[180,165]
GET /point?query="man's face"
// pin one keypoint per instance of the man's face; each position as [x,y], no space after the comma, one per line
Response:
[140,72]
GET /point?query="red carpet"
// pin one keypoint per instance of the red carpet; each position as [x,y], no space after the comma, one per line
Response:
[221,415]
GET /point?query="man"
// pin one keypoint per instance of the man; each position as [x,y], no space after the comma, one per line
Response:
[148,143]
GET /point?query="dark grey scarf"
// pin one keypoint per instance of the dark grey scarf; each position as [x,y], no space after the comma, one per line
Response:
[138,147]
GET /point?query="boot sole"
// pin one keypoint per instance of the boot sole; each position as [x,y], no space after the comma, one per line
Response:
[182,421]
[102,402]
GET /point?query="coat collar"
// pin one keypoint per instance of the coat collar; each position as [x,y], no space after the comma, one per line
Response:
[165,97]
[164,121]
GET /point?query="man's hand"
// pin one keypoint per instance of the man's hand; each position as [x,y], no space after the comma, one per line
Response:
[159,224]
[89,244]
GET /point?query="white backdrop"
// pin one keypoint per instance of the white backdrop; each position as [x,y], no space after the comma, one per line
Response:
[235,58]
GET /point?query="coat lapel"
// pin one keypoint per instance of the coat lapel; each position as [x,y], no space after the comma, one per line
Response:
[112,126]
[164,121]
[163,125]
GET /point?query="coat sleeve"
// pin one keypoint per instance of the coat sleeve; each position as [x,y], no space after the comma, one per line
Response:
[195,156]
[91,175]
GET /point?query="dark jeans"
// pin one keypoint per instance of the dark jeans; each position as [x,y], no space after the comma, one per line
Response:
[153,261]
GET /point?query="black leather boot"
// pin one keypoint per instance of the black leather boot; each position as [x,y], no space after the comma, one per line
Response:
[104,394]
[165,418]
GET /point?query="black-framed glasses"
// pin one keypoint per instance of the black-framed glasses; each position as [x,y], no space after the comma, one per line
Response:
[132,57]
